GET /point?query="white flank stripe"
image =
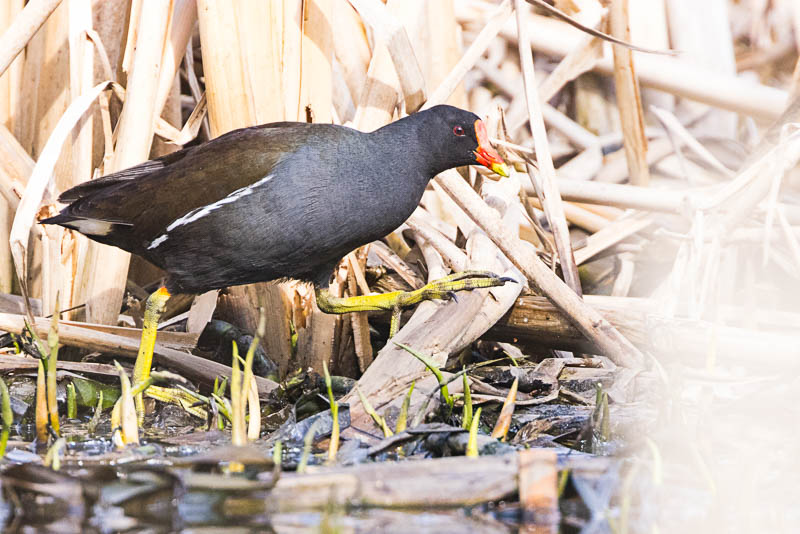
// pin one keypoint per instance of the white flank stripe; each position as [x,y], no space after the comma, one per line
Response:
[202,211]
[157,241]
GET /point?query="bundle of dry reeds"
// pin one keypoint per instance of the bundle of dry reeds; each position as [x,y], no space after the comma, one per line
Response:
[653,210]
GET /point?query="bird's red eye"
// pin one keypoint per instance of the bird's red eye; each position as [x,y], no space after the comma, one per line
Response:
[458,130]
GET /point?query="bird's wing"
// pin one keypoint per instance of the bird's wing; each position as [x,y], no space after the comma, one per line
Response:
[131,173]
[150,196]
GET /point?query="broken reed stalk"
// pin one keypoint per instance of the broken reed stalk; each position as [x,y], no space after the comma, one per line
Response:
[547,190]
[181,26]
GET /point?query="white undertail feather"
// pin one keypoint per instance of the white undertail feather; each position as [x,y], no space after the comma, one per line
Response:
[91,226]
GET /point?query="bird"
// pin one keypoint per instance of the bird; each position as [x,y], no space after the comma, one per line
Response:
[285,200]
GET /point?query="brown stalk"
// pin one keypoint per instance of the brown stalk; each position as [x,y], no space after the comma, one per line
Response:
[471,55]
[66,273]
[190,366]
[629,98]
[10,96]
[537,321]
[440,32]
[393,36]
[356,281]
[611,235]
[584,317]
[317,53]
[673,75]
[261,51]
[136,126]
[547,189]
[578,216]
[23,28]
[11,80]
[627,196]
[182,23]
[40,178]
[15,168]
[351,49]
[230,104]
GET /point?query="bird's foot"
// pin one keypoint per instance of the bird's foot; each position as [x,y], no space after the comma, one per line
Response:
[442,289]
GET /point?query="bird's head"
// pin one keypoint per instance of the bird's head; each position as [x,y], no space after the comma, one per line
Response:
[459,137]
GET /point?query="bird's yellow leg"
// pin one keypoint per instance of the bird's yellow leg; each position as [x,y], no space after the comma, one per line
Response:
[443,288]
[144,360]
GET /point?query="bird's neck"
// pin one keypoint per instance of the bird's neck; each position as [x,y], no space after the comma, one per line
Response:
[403,142]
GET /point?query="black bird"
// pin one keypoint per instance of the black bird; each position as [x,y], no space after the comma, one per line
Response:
[281,200]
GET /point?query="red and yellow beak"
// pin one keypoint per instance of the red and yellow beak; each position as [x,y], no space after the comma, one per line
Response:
[486,154]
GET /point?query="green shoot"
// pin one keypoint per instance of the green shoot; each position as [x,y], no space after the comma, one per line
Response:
[72,405]
[380,421]
[472,443]
[563,477]
[238,436]
[402,417]
[277,453]
[53,457]
[433,368]
[308,441]
[333,448]
[658,476]
[7,416]
[52,363]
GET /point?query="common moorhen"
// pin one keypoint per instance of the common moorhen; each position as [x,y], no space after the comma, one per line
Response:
[281,200]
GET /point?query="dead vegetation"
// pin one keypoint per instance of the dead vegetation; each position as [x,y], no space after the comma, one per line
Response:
[652,221]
